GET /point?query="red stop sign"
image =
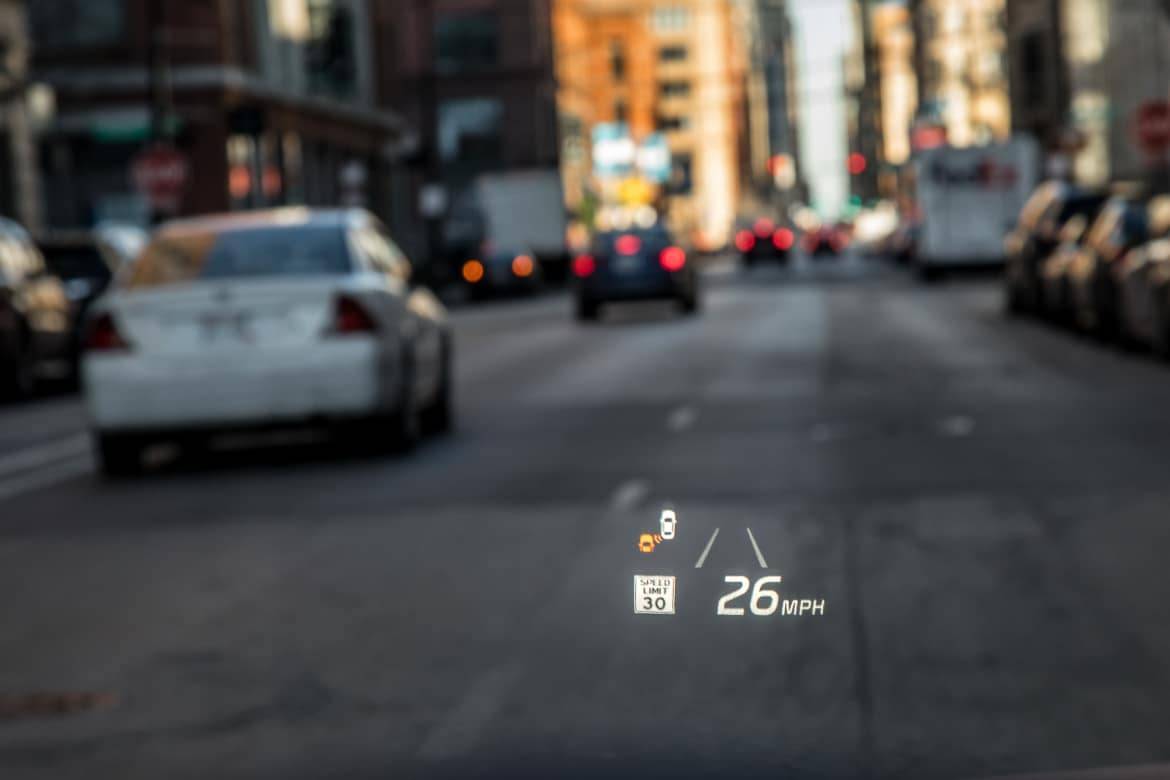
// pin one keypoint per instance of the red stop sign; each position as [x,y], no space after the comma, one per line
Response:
[160,174]
[1152,126]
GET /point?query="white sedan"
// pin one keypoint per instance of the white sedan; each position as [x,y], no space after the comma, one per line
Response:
[265,319]
[668,524]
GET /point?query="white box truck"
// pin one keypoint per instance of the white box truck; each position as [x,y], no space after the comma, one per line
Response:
[524,209]
[969,199]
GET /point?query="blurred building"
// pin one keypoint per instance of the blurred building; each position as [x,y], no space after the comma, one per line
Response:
[779,62]
[269,101]
[598,47]
[894,41]
[677,68]
[1038,75]
[476,78]
[863,93]
[960,60]
[20,196]
[1082,71]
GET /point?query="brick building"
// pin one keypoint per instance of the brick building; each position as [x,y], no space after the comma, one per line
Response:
[271,102]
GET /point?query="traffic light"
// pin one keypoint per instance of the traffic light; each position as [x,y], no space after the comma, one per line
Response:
[857,164]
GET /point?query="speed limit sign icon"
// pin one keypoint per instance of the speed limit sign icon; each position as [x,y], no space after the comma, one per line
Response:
[653,595]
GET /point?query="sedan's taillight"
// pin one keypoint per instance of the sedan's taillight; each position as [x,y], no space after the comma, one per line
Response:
[672,258]
[349,316]
[783,239]
[745,241]
[102,335]
[583,266]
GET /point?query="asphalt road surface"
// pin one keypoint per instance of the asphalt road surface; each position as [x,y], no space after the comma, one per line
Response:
[981,505]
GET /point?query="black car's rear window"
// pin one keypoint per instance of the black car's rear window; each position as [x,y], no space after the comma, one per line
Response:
[241,253]
[75,261]
[653,237]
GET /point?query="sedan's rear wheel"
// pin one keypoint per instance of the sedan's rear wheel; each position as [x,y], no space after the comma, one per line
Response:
[119,455]
[406,421]
[439,417]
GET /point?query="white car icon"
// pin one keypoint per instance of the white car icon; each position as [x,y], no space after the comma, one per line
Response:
[668,523]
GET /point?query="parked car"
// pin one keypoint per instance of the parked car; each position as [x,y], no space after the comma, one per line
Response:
[764,240]
[265,319]
[86,262]
[502,270]
[1054,298]
[35,316]
[1143,282]
[1093,274]
[1145,296]
[1037,235]
[634,265]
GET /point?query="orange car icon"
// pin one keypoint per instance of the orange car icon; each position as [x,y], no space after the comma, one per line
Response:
[646,543]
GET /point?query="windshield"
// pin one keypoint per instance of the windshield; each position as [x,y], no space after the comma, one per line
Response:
[566,389]
[240,253]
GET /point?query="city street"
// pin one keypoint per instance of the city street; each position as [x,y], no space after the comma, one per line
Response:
[979,502]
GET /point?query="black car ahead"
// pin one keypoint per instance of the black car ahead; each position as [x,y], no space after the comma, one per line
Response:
[36,320]
[86,262]
[1037,235]
[634,265]
[764,241]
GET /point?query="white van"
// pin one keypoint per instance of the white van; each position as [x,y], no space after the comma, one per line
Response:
[969,199]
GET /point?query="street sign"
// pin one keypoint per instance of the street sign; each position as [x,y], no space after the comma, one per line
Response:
[160,174]
[614,152]
[653,158]
[1152,126]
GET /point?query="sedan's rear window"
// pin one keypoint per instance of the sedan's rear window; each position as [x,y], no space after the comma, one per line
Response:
[241,253]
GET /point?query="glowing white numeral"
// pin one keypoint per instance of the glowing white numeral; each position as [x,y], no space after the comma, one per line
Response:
[761,593]
[744,583]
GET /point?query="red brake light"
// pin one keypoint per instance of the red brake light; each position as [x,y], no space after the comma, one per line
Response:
[764,227]
[584,265]
[783,239]
[102,335]
[628,245]
[672,258]
[745,241]
[349,316]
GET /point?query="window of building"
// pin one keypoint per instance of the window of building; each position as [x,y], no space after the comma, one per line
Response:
[68,23]
[681,178]
[330,56]
[466,41]
[674,123]
[669,89]
[671,19]
[617,60]
[672,54]
[471,130]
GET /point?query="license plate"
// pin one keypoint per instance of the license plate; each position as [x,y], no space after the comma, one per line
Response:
[627,265]
[223,327]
